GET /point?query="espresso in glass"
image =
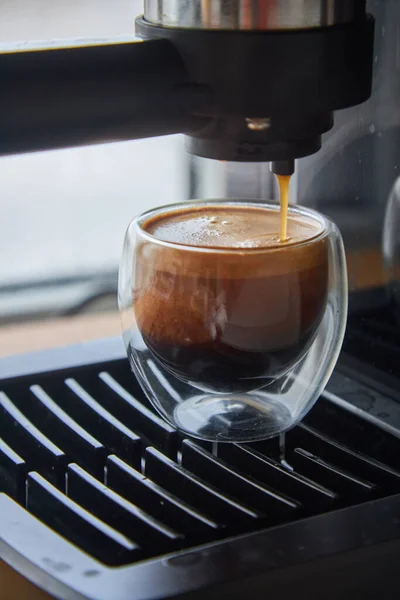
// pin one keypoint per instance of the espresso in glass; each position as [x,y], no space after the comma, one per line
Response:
[220,301]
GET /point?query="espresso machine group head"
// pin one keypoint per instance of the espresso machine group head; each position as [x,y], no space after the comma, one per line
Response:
[245,80]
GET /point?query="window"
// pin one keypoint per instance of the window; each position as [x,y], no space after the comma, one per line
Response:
[64,213]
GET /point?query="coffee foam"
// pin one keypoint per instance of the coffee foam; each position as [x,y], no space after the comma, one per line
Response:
[229,227]
[256,254]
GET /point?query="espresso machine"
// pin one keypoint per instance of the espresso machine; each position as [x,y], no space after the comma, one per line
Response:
[245,81]
[101,499]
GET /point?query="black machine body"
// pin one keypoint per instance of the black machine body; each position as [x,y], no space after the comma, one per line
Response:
[244,81]
[269,95]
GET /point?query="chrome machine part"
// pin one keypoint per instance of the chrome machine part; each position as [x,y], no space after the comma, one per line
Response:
[252,14]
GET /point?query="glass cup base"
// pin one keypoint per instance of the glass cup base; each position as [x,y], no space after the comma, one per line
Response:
[233,417]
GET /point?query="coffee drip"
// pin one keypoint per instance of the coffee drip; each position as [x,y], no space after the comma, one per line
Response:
[283,183]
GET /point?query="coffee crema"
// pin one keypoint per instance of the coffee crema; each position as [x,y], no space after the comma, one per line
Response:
[223,304]
[229,227]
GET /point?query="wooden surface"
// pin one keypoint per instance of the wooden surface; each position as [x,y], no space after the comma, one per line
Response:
[40,335]
[365,269]
[15,587]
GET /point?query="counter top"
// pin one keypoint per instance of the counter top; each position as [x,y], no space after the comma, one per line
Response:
[15,587]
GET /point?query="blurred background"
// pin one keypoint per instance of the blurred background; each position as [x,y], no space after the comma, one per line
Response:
[64,213]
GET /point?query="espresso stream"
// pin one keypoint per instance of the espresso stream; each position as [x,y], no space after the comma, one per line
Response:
[231,307]
[283,182]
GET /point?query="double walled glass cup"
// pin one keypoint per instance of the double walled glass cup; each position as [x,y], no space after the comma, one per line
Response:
[233,344]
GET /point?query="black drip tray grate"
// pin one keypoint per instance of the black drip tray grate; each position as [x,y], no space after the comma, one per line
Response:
[372,346]
[85,454]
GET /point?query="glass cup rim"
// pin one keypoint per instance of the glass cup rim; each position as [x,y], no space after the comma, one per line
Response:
[296,209]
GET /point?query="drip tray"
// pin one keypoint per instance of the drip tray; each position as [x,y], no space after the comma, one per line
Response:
[101,499]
